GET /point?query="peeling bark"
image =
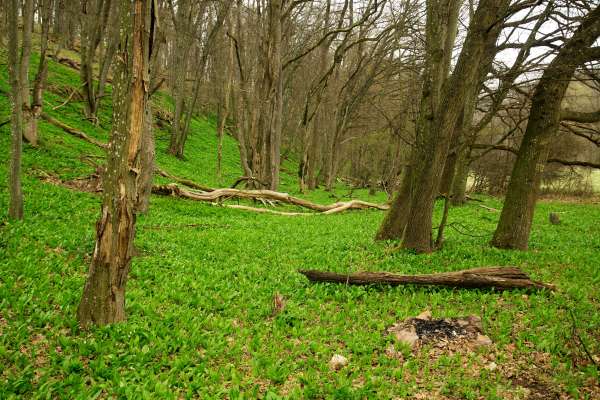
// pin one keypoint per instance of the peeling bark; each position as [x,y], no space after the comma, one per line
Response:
[103,299]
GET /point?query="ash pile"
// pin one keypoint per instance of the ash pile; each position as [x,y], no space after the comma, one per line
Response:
[442,333]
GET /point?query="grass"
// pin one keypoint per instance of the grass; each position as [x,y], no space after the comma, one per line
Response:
[199,298]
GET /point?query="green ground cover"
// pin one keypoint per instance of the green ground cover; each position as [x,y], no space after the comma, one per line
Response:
[199,297]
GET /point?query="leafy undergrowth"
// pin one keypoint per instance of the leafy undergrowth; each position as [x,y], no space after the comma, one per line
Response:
[200,296]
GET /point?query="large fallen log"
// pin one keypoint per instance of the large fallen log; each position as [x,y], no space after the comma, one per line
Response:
[218,195]
[491,277]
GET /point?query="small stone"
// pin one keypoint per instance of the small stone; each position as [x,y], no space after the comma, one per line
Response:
[483,340]
[337,362]
[491,366]
[425,315]
[391,352]
[407,335]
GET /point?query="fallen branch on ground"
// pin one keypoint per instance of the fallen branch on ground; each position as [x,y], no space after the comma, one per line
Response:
[218,195]
[267,210]
[183,181]
[488,208]
[74,132]
[492,277]
[209,194]
[73,92]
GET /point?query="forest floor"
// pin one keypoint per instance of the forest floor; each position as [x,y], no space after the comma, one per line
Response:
[200,295]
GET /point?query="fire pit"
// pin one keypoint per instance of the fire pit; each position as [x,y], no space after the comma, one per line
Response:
[423,329]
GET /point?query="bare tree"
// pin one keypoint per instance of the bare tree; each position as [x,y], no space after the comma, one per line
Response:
[124,195]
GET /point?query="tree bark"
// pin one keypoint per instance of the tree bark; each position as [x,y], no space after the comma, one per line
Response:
[514,227]
[394,223]
[15,207]
[103,299]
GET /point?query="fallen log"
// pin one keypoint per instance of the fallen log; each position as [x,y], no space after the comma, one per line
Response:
[218,195]
[211,195]
[72,131]
[503,278]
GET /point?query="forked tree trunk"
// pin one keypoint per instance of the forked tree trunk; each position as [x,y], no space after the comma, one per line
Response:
[514,226]
[103,299]
[15,206]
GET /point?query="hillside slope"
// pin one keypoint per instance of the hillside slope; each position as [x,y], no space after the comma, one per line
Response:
[199,297]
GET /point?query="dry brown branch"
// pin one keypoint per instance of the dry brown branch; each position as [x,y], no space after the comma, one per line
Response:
[74,132]
[488,208]
[490,277]
[73,92]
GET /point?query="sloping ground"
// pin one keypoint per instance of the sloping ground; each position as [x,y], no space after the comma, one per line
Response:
[200,296]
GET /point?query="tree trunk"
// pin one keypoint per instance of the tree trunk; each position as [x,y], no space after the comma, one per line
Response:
[28,13]
[394,223]
[459,186]
[224,104]
[42,72]
[433,148]
[103,299]
[439,32]
[94,18]
[15,207]
[515,222]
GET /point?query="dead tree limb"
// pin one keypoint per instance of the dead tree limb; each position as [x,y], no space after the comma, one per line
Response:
[74,132]
[73,92]
[218,195]
[502,278]
[183,181]
[247,179]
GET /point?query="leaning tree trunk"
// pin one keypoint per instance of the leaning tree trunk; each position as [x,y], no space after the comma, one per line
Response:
[514,227]
[103,299]
[15,207]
